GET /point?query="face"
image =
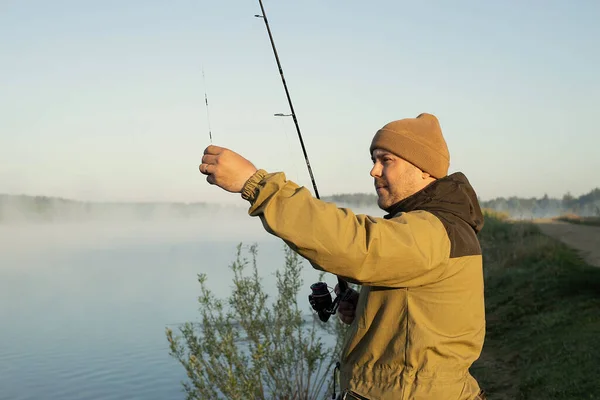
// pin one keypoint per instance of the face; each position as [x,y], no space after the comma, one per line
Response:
[395,178]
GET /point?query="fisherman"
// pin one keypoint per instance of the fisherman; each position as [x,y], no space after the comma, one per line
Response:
[418,323]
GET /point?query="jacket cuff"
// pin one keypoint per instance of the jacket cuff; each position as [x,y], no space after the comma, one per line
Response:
[250,189]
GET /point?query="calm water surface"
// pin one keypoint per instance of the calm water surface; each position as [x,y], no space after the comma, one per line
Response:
[84,307]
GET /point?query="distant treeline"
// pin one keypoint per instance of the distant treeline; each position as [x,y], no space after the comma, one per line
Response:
[587,205]
[42,208]
[517,207]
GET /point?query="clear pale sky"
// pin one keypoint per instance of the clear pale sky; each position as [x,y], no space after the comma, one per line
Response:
[105,100]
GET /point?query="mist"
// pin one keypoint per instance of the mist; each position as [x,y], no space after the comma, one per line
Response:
[123,227]
[66,242]
[30,224]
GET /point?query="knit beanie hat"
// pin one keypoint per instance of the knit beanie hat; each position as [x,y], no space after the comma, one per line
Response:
[418,141]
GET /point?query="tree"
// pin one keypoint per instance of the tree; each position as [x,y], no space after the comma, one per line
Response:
[567,201]
[252,349]
[544,205]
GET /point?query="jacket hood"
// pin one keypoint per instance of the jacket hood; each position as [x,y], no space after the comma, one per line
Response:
[452,194]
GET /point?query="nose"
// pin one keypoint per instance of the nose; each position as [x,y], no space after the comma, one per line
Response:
[376,170]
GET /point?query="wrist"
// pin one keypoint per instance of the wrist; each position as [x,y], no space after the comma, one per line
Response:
[250,188]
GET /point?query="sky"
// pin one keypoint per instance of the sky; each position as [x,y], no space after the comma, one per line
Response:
[105,100]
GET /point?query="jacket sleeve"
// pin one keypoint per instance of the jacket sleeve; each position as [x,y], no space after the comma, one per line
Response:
[411,249]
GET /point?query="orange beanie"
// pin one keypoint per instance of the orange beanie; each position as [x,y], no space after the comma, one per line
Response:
[418,141]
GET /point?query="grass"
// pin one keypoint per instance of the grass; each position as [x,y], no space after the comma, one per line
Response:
[575,219]
[543,319]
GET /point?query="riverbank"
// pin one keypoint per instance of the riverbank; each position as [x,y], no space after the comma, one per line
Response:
[543,327]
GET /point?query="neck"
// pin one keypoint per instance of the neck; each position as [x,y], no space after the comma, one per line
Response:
[426,182]
[415,198]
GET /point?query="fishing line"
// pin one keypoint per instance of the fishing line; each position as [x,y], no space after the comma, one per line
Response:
[292,157]
[206,102]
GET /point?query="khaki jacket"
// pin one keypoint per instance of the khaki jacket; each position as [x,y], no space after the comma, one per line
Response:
[420,319]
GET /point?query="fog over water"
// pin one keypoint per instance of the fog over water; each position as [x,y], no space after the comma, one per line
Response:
[84,304]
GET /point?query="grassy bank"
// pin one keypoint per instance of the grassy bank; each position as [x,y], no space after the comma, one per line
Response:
[543,303]
[575,219]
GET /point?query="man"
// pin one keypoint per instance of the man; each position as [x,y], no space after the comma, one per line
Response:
[419,321]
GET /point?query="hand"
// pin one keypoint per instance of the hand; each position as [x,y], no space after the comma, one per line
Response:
[226,169]
[347,308]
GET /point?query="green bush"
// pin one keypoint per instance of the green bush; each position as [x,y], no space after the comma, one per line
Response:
[252,349]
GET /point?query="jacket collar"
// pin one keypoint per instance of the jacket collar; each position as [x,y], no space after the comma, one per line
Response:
[452,194]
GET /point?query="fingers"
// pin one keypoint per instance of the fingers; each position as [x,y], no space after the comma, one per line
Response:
[353,297]
[345,314]
[214,150]
[208,165]
[346,308]
[207,169]
[348,318]
[210,159]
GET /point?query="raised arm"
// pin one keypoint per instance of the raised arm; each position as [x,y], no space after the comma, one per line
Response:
[409,250]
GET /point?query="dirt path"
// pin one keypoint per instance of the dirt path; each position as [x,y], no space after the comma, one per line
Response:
[584,238]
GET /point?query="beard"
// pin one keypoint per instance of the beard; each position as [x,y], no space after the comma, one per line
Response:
[385,199]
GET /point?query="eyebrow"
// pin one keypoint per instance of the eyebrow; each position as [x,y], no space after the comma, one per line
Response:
[385,153]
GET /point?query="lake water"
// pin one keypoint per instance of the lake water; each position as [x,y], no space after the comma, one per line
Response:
[84,306]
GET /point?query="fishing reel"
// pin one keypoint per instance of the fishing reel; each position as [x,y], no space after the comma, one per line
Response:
[321,300]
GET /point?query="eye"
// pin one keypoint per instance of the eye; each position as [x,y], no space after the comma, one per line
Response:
[387,159]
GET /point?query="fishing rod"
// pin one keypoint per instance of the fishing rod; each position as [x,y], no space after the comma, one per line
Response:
[320,299]
[287,93]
